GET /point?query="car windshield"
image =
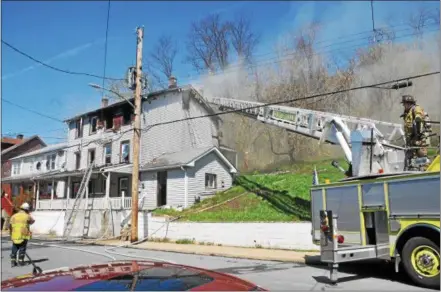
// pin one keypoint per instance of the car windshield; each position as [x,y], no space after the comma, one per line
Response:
[151,279]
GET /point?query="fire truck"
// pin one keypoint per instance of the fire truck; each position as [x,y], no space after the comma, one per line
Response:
[380,210]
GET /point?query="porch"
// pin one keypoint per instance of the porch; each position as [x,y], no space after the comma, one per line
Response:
[107,189]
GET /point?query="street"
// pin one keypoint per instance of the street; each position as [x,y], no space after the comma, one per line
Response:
[270,275]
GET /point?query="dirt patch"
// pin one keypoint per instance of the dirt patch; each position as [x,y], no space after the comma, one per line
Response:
[237,204]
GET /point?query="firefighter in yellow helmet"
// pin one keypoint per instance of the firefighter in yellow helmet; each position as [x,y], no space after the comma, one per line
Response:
[20,233]
[417,129]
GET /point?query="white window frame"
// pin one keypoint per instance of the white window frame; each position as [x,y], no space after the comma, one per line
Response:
[120,189]
[79,128]
[16,168]
[89,151]
[90,125]
[121,151]
[210,181]
[107,155]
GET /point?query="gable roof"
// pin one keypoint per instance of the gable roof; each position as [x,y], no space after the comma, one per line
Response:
[151,96]
[25,141]
[186,158]
[49,148]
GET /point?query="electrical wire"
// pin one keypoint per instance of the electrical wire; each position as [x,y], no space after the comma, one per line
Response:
[299,99]
[276,60]
[231,68]
[30,110]
[55,68]
[326,94]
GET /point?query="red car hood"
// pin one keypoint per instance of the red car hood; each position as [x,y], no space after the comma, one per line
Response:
[122,275]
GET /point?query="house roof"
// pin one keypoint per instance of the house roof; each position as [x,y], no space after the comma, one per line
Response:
[12,141]
[186,158]
[43,150]
[24,142]
[149,96]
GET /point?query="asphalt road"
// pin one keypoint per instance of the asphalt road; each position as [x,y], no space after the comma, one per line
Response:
[270,275]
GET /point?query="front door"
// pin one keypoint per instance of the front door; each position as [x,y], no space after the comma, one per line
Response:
[162,188]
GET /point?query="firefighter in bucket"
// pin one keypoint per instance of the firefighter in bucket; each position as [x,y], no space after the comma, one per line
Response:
[417,130]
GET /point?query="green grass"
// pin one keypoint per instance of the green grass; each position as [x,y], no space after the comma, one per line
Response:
[279,197]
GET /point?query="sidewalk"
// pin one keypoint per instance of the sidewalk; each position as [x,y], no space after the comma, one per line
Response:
[312,258]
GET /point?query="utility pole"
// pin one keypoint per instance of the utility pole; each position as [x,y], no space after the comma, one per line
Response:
[136,134]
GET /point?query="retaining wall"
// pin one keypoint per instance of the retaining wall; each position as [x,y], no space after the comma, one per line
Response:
[268,235]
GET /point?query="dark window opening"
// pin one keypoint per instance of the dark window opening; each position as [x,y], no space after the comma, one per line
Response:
[75,188]
[210,181]
[93,124]
[108,153]
[79,127]
[109,122]
[123,186]
[116,117]
[77,160]
[91,156]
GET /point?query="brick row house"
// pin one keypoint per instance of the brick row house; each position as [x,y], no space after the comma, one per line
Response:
[180,163]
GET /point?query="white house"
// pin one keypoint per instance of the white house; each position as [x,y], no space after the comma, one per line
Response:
[180,162]
[35,171]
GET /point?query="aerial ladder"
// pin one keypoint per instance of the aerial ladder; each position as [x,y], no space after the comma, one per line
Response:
[380,210]
[77,203]
[366,143]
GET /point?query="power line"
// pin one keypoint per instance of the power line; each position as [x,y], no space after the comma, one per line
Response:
[55,68]
[299,99]
[121,134]
[106,43]
[264,62]
[32,111]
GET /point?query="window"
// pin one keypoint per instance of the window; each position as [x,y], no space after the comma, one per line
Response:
[38,165]
[31,165]
[123,186]
[91,187]
[91,156]
[210,181]
[50,161]
[77,160]
[93,124]
[154,278]
[16,168]
[125,152]
[79,127]
[108,153]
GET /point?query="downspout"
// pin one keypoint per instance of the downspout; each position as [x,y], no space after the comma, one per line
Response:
[185,186]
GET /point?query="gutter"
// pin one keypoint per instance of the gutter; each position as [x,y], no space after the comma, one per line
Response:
[185,186]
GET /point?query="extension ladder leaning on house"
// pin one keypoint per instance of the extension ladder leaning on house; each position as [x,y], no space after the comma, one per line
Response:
[78,199]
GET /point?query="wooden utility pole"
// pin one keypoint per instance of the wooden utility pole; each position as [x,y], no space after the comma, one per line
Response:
[136,134]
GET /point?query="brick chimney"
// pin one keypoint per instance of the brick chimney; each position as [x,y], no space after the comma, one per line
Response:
[104,102]
[20,136]
[172,82]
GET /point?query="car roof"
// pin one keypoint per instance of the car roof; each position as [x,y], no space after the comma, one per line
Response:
[121,275]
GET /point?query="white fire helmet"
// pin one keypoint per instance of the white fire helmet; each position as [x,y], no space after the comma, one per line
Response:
[25,206]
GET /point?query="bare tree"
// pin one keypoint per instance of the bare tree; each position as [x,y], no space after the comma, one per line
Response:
[164,54]
[422,18]
[212,42]
[207,44]
[243,39]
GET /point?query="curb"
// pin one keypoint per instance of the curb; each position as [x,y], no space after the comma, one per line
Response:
[305,260]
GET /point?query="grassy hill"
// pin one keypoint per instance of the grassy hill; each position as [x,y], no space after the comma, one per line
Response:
[282,196]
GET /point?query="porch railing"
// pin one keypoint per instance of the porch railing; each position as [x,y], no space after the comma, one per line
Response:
[118,203]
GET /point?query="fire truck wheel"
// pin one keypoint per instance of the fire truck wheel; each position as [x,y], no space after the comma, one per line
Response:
[421,261]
